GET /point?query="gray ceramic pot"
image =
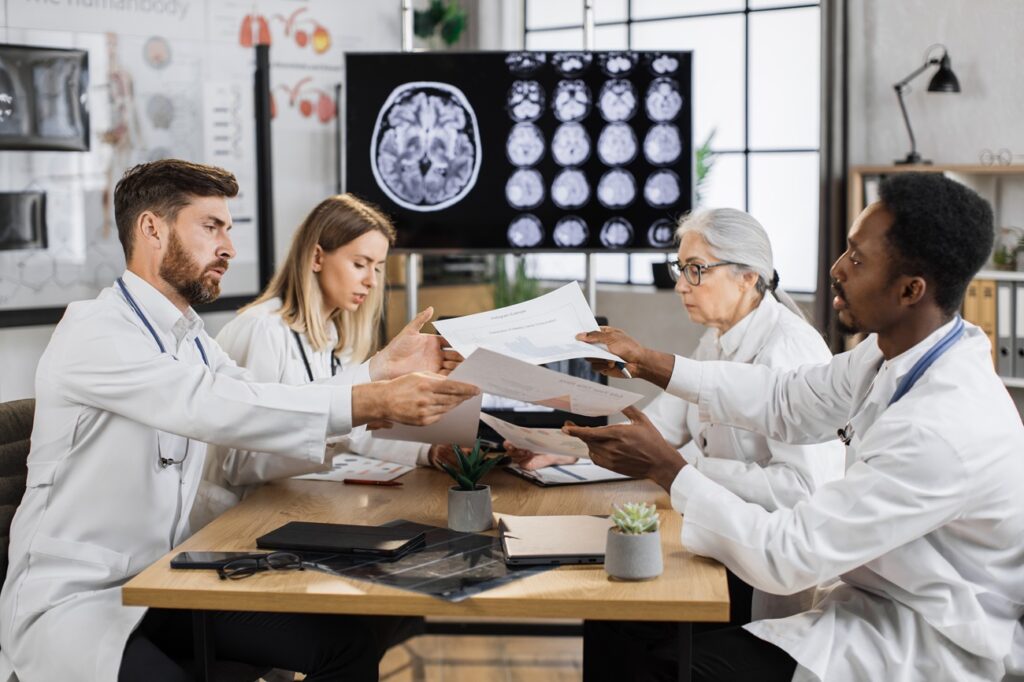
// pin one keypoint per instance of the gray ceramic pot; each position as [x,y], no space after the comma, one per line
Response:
[633,557]
[469,511]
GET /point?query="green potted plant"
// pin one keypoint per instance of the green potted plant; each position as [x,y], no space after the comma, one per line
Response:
[440,24]
[514,287]
[469,502]
[633,550]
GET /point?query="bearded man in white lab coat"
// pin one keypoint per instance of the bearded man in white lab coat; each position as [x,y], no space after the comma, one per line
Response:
[923,539]
[128,393]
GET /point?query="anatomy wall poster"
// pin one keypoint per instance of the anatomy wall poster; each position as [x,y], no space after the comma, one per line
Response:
[522,151]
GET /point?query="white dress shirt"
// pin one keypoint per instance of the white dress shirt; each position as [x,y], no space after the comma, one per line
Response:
[761,470]
[99,506]
[925,531]
[260,340]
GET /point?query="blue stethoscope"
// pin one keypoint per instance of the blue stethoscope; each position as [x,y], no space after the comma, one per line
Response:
[164,461]
[920,367]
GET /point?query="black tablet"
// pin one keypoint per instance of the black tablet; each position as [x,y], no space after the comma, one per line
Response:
[340,538]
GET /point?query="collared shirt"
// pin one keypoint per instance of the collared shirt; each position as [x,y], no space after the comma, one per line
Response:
[260,340]
[99,507]
[759,469]
[925,531]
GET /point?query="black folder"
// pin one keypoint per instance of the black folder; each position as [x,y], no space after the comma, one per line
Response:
[303,536]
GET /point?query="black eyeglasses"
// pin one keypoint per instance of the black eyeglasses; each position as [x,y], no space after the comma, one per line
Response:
[693,271]
[275,561]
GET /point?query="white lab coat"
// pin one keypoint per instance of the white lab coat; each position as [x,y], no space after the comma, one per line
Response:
[98,507]
[925,531]
[261,341]
[761,470]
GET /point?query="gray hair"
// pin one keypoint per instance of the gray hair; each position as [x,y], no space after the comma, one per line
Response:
[734,235]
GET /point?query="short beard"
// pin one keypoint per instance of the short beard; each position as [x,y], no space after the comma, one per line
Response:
[845,329]
[186,276]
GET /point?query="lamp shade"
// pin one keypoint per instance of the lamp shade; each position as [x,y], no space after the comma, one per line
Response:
[944,79]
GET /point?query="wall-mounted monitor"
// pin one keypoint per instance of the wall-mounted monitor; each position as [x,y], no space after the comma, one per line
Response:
[523,151]
[43,98]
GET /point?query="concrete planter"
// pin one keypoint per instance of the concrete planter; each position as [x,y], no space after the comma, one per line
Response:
[469,511]
[633,557]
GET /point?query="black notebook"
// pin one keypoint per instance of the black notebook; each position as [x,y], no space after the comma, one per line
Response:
[342,538]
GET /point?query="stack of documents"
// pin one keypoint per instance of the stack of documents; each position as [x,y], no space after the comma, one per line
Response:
[502,349]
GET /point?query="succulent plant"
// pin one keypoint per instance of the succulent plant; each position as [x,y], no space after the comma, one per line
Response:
[635,518]
[472,467]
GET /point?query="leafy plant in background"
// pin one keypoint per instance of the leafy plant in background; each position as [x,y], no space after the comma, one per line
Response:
[444,21]
[705,160]
[472,467]
[635,518]
[515,289]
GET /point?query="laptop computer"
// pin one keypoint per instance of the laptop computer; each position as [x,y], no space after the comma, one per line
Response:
[339,538]
[553,540]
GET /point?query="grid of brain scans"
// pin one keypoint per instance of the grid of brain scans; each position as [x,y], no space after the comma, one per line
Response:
[522,151]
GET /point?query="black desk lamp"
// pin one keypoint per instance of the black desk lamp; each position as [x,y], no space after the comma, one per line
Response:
[944,80]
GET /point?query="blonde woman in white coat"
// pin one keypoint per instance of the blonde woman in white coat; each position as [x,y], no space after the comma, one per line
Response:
[318,319]
[727,282]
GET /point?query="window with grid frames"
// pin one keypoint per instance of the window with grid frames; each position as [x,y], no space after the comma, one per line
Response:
[756,88]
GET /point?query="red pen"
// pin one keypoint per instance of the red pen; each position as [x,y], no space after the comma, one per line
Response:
[363,481]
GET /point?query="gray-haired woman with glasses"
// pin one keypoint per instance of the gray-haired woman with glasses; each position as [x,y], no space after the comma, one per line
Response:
[727,282]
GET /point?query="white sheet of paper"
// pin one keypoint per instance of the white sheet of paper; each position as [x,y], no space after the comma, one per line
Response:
[458,426]
[549,441]
[584,471]
[537,331]
[356,466]
[511,378]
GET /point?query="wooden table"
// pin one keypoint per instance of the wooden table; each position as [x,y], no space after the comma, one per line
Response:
[691,588]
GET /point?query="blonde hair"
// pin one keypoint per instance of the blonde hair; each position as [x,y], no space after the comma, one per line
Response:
[334,222]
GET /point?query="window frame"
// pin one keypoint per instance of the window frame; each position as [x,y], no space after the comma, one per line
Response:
[746,152]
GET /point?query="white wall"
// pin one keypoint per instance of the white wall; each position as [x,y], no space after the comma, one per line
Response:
[888,40]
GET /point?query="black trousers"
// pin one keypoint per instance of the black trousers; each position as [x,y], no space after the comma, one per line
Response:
[323,647]
[722,652]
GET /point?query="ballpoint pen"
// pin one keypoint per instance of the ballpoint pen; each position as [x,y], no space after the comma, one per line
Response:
[363,481]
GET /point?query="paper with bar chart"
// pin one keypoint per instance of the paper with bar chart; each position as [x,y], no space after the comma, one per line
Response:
[538,331]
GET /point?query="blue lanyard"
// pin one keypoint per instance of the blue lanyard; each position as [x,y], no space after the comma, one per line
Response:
[142,316]
[928,359]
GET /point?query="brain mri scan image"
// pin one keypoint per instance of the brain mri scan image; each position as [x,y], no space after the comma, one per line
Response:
[662,188]
[571,63]
[571,145]
[525,189]
[661,234]
[571,100]
[616,233]
[525,145]
[617,101]
[525,232]
[525,101]
[571,232]
[662,64]
[522,63]
[663,100]
[426,146]
[570,189]
[617,144]
[662,145]
[616,188]
[617,63]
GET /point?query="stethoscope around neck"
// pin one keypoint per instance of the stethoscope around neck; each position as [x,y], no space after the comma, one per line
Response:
[164,461]
[305,360]
[920,367]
